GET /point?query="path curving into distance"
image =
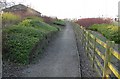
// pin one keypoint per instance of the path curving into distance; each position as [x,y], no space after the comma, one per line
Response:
[61,59]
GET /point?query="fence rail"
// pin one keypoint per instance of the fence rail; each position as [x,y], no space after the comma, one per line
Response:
[90,43]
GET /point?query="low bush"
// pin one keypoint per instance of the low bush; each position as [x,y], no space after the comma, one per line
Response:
[35,18]
[19,40]
[111,32]
[10,18]
[44,27]
[59,22]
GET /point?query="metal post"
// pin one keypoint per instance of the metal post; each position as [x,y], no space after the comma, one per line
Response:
[1,42]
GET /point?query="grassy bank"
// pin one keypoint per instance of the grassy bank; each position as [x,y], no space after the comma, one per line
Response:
[19,40]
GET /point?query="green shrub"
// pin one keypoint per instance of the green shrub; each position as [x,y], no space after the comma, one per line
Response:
[109,31]
[35,18]
[33,32]
[44,27]
[19,47]
[19,40]
[8,17]
[115,36]
[59,22]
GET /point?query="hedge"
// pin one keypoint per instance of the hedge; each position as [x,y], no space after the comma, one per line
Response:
[9,19]
[111,32]
[19,40]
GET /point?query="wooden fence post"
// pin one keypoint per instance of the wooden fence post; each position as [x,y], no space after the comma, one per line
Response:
[87,49]
[94,52]
[106,70]
[80,33]
[83,37]
[85,40]
[75,31]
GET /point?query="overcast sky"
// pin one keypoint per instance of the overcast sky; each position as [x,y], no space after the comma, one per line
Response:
[73,8]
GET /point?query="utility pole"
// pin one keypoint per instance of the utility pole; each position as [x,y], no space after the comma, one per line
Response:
[1,7]
[1,39]
[119,14]
[119,30]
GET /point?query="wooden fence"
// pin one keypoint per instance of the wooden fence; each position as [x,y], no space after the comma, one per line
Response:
[101,61]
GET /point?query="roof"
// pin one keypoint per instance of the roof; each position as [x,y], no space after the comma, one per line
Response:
[15,8]
[19,7]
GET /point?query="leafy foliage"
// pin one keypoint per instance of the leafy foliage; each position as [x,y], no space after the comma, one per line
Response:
[19,40]
[111,32]
[10,18]
[35,18]
[46,28]
[59,22]
[7,16]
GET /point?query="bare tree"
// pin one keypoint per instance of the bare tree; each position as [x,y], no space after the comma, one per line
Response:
[5,4]
[2,5]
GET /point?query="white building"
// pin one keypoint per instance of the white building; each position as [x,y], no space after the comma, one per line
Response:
[119,13]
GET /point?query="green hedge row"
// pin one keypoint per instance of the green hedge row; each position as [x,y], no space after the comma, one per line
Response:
[59,22]
[19,40]
[111,32]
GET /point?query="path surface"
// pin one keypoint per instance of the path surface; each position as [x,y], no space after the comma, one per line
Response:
[61,59]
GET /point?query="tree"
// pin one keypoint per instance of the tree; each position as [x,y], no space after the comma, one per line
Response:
[2,5]
[5,4]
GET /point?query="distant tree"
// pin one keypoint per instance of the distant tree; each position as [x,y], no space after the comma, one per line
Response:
[2,5]
[5,4]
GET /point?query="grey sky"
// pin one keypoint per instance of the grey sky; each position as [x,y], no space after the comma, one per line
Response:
[73,8]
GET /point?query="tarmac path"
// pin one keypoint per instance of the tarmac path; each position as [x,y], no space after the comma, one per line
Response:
[61,58]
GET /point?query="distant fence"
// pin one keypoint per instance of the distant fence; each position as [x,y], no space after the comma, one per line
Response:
[101,61]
